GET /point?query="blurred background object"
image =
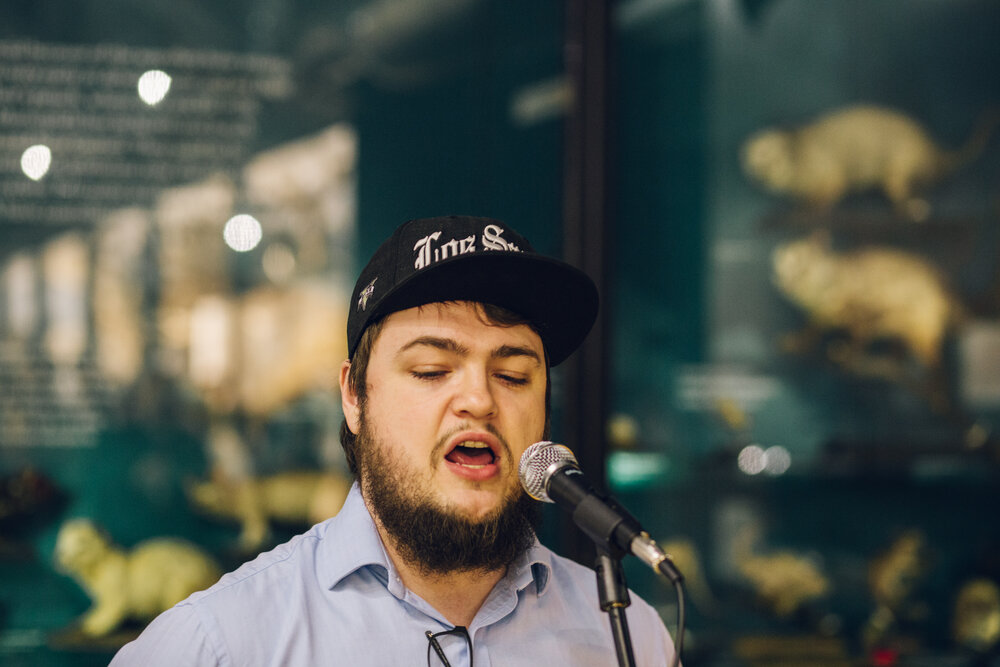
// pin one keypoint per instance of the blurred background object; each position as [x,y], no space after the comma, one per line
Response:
[129,585]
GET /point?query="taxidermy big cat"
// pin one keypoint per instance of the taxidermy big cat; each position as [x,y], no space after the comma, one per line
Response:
[854,149]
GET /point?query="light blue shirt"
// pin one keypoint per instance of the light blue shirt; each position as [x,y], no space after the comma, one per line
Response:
[331,596]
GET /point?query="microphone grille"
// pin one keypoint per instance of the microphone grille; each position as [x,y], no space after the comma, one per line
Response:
[538,463]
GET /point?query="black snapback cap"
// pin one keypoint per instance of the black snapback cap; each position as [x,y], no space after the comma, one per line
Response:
[462,258]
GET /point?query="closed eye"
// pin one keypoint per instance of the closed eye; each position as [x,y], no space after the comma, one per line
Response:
[428,375]
[512,379]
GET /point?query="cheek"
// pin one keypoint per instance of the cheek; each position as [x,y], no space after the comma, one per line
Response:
[529,417]
[396,413]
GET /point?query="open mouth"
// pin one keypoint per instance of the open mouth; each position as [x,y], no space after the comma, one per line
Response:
[472,454]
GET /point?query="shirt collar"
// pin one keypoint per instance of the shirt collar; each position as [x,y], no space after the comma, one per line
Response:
[534,565]
[341,557]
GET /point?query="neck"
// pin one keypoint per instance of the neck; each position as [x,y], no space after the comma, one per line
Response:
[458,595]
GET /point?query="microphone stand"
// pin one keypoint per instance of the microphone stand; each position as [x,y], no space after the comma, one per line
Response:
[613,594]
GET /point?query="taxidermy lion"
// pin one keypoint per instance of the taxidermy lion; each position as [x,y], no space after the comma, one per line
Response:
[872,294]
[854,149]
[294,497]
[138,584]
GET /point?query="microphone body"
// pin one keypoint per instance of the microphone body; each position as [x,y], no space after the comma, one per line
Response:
[549,472]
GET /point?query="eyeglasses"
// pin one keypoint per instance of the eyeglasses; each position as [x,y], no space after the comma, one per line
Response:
[432,643]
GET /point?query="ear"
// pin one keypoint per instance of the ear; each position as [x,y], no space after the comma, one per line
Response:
[349,400]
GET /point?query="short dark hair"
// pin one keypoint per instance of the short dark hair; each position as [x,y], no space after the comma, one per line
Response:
[357,376]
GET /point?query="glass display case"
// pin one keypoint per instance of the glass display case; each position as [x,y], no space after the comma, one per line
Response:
[804,397]
[184,192]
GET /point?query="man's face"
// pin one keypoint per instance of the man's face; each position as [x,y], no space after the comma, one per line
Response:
[453,402]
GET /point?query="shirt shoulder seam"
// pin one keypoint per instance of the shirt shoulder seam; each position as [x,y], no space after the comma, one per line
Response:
[219,586]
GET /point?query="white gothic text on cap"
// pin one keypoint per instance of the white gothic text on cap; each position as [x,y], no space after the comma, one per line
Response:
[429,251]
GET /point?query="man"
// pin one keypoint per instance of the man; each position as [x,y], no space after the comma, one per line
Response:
[433,559]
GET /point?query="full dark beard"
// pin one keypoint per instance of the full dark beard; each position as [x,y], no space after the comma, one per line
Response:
[435,539]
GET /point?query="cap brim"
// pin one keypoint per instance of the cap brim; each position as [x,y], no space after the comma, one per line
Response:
[558,299]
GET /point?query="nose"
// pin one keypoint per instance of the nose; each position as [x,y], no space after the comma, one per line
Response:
[474,396]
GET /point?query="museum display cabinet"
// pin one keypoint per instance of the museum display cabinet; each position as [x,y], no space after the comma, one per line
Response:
[792,208]
[804,339]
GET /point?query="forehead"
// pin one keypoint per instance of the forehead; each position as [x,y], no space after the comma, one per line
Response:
[462,321]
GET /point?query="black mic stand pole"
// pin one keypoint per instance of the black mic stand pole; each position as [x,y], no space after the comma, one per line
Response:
[613,593]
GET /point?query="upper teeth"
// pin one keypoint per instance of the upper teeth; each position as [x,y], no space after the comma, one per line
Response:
[474,443]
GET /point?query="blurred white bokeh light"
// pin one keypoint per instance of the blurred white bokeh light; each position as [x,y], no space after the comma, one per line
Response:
[154,86]
[752,460]
[777,460]
[242,232]
[35,161]
[279,263]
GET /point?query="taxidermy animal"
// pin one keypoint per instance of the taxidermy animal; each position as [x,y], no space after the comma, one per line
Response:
[854,149]
[138,584]
[976,617]
[893,576]
[296,497]
[870,294]
[783,580]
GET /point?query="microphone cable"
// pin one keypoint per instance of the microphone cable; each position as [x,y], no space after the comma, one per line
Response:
[679,632]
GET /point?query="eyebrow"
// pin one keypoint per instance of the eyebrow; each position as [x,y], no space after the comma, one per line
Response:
[450,345]
[508,351]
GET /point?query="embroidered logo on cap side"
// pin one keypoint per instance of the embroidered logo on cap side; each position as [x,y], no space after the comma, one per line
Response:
[366,294]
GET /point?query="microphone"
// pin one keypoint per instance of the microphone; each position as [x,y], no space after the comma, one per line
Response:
[549,472]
